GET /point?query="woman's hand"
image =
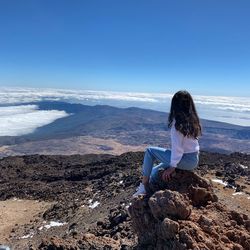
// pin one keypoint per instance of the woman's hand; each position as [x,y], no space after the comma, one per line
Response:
[166,176]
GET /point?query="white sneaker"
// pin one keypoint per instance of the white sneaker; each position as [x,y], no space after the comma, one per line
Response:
[140,190]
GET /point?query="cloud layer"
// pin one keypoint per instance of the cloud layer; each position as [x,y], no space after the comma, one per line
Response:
[24,119]
[228,109]
[22,95]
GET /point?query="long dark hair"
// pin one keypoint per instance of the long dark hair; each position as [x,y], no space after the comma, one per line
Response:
[184,113]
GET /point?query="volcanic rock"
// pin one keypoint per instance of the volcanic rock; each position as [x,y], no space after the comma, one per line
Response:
[89,196]
[88,241]
[187,215]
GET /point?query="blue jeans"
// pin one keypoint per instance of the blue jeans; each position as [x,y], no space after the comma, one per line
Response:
[188,161]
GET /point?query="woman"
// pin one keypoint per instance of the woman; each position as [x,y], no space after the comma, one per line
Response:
[184,154]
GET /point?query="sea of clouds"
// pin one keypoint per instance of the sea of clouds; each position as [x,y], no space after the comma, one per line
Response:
[18,120]
[24,119]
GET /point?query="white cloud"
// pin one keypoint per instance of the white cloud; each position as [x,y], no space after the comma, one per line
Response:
[23,95]
[241,104]
[24,119]
[222,108]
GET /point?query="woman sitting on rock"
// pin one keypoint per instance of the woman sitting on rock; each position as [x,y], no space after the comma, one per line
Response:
[184,154]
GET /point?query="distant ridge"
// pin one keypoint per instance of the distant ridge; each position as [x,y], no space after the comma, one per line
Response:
[130,126]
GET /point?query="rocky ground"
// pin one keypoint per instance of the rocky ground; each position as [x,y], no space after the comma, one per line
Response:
[81,202]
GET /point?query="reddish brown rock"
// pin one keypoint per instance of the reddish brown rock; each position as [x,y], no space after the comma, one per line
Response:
[56,243]
[87,241]
[187,215]
[169,204]
[168,229]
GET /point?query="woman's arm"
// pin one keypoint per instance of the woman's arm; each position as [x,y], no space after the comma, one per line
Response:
[176,146]
[176,153]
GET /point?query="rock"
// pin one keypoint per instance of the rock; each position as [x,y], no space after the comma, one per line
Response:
[237,247]
[206,224]
[88,241]
[143,221]
[187,215]
[201,196]
[55,243]
[239,218]
[168,229]
[169,204]
[225,239]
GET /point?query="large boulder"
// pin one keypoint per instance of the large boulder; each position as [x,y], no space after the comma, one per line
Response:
[185,214]
[170,204]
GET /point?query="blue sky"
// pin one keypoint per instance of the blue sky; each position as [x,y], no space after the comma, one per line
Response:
[132,45]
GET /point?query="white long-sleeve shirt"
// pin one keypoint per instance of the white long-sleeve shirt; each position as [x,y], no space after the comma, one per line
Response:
[181,144]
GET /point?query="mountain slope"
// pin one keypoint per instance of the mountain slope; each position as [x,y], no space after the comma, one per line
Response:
[128,126]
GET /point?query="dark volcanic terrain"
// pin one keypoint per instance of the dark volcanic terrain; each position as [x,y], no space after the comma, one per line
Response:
[81,202]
